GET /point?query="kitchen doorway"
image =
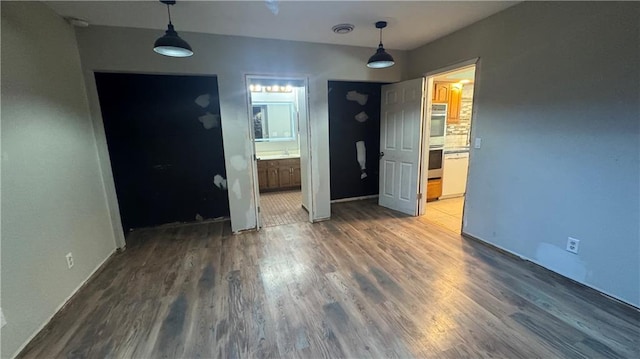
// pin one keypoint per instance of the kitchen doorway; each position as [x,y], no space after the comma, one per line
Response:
[450,105]
[279,131]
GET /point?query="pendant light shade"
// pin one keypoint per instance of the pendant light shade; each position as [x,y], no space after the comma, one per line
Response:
[171,44]
[381,59]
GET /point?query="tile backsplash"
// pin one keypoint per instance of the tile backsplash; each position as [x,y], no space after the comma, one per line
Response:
[458,133]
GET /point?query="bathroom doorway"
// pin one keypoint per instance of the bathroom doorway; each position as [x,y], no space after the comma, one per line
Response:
[278,118]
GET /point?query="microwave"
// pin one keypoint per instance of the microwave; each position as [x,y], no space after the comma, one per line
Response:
[438,122]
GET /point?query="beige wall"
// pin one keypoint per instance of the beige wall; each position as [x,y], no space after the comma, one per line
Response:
[53,200]
[557,108]
[231,58]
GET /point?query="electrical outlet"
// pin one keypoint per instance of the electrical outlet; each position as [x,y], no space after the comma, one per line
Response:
[477,143]
[573,245]
[69,257]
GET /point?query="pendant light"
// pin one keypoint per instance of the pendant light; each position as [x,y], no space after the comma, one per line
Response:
[381,59]
[171,44]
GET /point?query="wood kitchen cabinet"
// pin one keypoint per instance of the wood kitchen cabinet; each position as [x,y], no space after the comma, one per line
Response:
[451,94]
[434,189]
[441,92]
[278,174]
[455,101]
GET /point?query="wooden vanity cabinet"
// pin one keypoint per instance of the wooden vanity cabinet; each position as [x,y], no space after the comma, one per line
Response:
[279,174]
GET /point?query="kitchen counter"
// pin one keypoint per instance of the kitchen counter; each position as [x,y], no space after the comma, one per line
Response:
[456,150]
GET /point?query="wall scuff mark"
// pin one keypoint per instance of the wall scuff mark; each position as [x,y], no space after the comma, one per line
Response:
[362,117]
[361,155]
[209,120]
[238,163]
[203,100]
[236,189]
[357,97]
[220,182]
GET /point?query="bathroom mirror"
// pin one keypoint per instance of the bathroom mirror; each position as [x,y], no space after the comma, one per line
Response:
[274,121]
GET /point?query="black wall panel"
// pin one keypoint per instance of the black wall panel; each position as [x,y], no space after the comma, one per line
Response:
[165,147]
[348,101]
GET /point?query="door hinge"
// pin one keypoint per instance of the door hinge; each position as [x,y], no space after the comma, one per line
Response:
[419,195]
[258,209]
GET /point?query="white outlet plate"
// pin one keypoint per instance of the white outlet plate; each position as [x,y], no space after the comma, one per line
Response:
[573,245]
[69,257]
[477,143]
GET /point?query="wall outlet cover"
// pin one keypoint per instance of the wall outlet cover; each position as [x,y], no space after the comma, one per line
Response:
[477,143]
[573,245]
[69,257]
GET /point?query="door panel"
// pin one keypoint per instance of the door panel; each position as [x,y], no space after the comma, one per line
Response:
[400,136]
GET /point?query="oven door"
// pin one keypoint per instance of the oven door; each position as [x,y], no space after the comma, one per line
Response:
[438,125]
[435,163]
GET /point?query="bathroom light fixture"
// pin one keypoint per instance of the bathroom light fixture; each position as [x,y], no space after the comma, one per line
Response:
[381,59]
[171,44]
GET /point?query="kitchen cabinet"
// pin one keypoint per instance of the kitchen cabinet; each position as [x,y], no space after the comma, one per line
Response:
[434,189]
[454,177]
[455,102]
[451,94]
[441,92]
[278,174]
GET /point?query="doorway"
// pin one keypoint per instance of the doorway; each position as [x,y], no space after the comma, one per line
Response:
[279,131]
[425,128]
[451,104]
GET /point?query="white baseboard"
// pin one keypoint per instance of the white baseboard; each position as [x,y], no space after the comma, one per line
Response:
[354,198]
[35,333]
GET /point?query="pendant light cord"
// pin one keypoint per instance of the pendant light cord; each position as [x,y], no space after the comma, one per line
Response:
[380,37]
[169,12]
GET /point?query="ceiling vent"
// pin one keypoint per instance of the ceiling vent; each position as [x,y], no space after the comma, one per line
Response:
[342,28]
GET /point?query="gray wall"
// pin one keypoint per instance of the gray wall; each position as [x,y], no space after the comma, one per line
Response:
[231,58]
[53,200]
[557,108]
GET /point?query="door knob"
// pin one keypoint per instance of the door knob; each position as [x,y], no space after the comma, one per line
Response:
[381,154]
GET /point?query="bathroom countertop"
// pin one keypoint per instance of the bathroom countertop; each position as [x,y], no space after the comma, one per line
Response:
[277,157]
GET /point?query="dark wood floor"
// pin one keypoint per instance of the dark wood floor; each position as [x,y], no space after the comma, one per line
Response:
[368,283]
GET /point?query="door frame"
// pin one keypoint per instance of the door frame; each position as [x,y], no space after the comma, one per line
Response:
[424,152]
[254,157]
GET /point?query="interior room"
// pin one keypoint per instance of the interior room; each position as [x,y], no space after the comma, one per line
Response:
[449,140]
[275,114]
[133,152]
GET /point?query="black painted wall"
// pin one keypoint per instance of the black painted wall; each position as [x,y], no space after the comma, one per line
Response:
[345,131]
[165,148]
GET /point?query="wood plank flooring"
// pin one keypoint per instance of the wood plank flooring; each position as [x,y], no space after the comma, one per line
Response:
[370,283]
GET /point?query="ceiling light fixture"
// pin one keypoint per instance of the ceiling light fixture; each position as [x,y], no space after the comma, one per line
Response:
[381,59]
[171,44]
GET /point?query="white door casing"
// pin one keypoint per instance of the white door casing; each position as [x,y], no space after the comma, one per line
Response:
[401,118]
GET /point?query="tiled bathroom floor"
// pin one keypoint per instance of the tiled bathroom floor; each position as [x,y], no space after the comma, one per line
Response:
[446,213]
[283,207]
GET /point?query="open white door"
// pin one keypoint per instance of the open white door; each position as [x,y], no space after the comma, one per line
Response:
[400,138]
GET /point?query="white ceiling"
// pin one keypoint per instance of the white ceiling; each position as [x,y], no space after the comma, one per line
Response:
[411,23]
[467,73]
